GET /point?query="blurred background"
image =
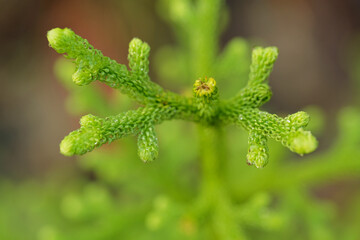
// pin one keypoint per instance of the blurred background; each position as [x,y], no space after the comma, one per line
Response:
[317,41]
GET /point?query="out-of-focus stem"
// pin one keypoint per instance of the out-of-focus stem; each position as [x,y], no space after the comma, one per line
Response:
[213,194]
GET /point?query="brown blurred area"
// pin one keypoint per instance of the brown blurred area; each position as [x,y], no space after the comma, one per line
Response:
[313,37]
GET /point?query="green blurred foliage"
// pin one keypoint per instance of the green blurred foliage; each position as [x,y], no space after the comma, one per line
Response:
[120,197]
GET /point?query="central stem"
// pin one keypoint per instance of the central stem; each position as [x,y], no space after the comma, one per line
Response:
[214,200]
[211,153]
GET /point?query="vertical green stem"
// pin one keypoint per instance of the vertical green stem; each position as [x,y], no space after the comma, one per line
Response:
[214,198]
[204,33]
[210,154]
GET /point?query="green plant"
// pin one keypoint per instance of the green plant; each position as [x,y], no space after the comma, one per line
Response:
[205,108]
[160,105]
[174,197]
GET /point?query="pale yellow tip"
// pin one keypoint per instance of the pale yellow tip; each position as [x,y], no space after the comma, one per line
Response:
[67,147]
[59,38]
[303,142]
[204,86]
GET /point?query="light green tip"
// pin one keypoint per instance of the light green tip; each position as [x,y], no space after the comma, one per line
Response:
[59,38]
[135,43]
[268,54]
[298,120]
[87,120]
[148,148]
[67,147]
[138,48]
[82,77]
[148,155]
[258,156]
[303,142]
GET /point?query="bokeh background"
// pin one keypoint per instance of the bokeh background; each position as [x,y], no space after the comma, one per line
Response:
[317,41]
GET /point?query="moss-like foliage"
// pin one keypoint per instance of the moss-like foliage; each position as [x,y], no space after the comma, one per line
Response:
[160,105]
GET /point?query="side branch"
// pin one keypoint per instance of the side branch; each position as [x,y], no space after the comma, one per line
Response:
[262,63]
[96,131]
[289,131]
[92,65]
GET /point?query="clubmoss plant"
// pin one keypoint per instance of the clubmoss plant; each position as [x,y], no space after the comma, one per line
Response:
[214,212]
[112,196]
[158,105]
